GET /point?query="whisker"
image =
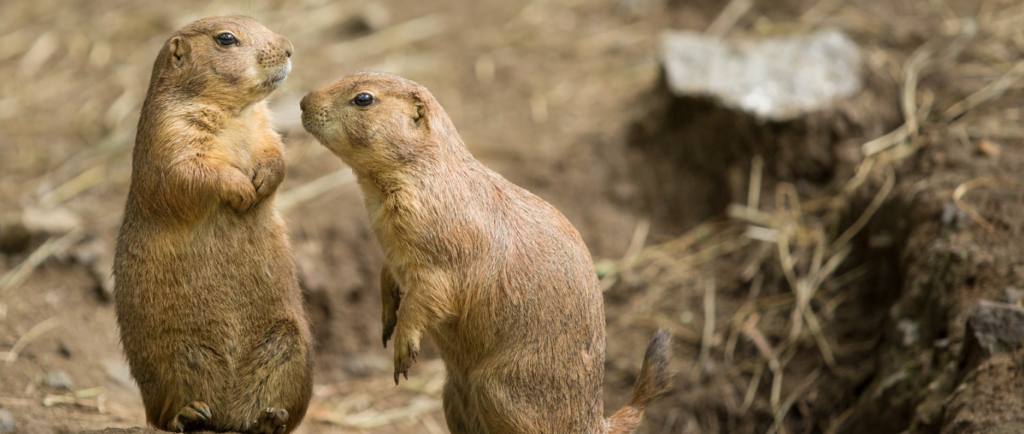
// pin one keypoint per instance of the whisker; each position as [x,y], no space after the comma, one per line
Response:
[308,143]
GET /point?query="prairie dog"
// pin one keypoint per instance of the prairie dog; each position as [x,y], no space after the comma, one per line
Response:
[501,281]
[207,294]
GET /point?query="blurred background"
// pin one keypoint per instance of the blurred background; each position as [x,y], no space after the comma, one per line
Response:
[820,198]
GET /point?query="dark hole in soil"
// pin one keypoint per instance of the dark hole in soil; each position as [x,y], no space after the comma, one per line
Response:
[685,149]
[691,158]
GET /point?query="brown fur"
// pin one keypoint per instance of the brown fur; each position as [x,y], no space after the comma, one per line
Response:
[500,279]
[207,298]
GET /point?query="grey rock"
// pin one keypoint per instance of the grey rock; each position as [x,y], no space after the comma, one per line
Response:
[953,216]
[775,79]
[1013,295]
[993,328]
[7,423]
[59,380]
[910,331]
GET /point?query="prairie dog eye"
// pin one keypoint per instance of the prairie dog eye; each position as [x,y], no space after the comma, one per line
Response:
[363,99]
[226,39]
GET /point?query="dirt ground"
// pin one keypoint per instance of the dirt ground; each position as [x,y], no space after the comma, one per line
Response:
[836,303]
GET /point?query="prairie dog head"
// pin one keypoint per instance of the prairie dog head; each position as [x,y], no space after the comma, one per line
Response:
[232,61]
[378,122]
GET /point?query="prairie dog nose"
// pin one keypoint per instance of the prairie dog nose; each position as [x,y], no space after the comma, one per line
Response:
[288,47]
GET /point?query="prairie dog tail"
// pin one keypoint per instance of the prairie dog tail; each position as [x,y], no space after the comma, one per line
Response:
[653,381]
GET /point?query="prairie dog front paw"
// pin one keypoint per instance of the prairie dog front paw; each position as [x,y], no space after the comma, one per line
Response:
[268,175]
[238,191]
[407,347]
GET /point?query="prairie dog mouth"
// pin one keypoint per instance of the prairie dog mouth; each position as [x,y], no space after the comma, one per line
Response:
[313,120]
[279,77]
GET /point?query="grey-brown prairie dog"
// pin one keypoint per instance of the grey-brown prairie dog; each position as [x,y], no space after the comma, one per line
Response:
[499,278]
[207,295]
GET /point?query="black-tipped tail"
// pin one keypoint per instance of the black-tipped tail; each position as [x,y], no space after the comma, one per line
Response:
[654,378]
[653,382]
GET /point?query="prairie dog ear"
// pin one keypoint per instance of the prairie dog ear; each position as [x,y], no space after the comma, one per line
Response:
[420,115]
[178,48]
[419,106]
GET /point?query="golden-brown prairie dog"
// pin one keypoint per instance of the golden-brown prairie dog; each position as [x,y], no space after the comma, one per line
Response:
[498,277]
[207,295]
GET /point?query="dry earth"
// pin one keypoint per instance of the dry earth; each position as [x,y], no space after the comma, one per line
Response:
[843,310]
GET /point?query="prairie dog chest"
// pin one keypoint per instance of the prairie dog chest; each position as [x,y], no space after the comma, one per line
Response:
[406,235]
[242,137]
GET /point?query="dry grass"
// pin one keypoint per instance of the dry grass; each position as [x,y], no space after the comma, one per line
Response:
[808,243]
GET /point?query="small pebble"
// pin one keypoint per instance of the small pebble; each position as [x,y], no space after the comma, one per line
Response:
[910,330]
[7,421]
[1013,295]
[989,148]
[59,380]
[953,216]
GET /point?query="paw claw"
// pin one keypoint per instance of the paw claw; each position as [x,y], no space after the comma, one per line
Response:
[389,329]
[407,348]
[270,421]
[190,417]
